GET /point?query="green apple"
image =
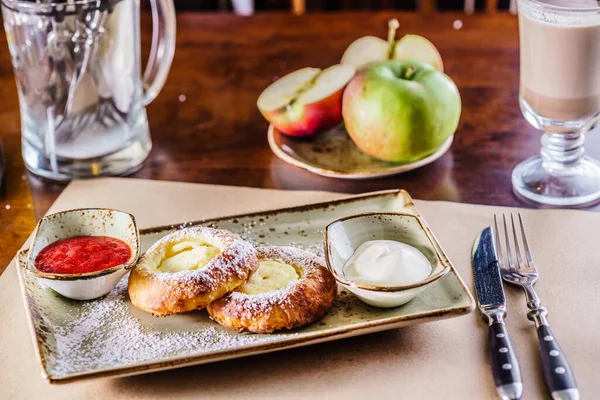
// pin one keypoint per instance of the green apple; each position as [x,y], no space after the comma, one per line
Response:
[400,111]
[368,50]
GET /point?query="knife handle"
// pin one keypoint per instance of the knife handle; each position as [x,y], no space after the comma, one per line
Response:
[505,366]
[557,371]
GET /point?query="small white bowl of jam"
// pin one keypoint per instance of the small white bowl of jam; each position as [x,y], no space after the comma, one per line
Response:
[82,254]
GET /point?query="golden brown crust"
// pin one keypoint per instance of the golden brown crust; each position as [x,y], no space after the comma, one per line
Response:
[300,303]
[164,293]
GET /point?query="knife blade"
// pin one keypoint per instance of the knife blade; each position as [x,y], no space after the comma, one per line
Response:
[492,303]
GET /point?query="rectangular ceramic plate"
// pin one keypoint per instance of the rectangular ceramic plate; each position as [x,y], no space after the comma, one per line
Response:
[109,337]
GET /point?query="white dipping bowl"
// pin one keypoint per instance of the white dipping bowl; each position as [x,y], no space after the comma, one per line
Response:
[82,222]
[345,235]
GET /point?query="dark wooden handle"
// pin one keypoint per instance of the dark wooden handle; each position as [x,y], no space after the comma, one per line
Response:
[503,357]
[557,371]
[505,365]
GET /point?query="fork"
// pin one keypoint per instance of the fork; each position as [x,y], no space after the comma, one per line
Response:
[522,272]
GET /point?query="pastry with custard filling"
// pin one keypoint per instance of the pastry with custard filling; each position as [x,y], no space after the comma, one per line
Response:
[190,268]
[291,288]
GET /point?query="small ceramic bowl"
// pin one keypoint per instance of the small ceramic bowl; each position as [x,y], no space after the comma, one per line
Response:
[345,235]
[82,222]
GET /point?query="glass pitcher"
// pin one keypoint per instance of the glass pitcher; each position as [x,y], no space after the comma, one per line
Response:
[81,94]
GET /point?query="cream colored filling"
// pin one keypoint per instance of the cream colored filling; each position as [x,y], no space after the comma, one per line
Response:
[186,256]
[271,275]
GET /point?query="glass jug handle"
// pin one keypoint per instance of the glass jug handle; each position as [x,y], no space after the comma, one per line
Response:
[162,50]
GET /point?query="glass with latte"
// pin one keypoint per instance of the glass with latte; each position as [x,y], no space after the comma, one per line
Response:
[560,95]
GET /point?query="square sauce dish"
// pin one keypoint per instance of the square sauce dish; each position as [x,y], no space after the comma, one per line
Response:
[99,235]
[347,237]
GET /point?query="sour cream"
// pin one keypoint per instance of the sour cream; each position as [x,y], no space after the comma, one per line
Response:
[387,263]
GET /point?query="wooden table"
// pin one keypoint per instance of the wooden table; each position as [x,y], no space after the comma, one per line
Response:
[206,128]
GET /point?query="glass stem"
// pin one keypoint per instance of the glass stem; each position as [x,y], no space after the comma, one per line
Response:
[562,152]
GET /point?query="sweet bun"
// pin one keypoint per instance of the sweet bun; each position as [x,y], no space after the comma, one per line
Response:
[190,268]
[291,288]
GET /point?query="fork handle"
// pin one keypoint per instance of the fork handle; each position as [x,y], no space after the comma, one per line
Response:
[557,371]
[505,366]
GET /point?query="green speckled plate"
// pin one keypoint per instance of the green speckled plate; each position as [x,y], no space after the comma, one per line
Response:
[332,153]
[78,340]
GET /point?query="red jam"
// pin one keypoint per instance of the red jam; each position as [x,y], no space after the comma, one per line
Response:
[82,254]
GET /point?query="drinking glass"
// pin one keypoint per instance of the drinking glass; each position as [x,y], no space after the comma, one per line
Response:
[81,94]
[560,95]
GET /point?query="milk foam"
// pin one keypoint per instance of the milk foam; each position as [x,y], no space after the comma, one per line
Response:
[562,12]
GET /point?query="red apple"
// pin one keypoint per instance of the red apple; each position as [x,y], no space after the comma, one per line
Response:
[306,101]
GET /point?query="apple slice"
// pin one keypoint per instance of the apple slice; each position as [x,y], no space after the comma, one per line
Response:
[284,90]
[365,51]
[368,50]
[306,101]
[328,82]
[417,48]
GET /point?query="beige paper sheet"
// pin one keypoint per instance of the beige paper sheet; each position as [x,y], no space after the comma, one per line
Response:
[440,360]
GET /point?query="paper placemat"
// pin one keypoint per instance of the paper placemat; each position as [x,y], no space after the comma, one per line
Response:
[442,360]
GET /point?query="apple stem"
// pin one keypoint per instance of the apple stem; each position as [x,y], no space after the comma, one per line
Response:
[410,72]
[393,26]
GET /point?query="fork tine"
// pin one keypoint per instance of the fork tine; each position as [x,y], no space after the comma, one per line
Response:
[497,244]
[511,264]
[517,249]
[528,255]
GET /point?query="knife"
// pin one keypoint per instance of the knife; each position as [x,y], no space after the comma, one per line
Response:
[491,302]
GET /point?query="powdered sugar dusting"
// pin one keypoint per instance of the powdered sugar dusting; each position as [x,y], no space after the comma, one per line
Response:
[227,242]
[302,260]
[106,334]
[234,263]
